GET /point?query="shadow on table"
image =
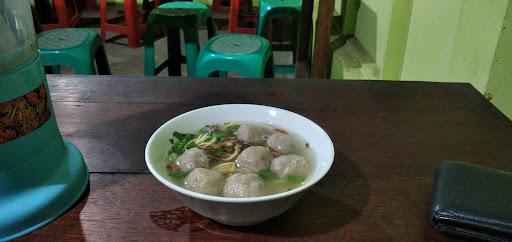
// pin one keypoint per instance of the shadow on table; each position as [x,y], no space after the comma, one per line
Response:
[328,206]
[70,220]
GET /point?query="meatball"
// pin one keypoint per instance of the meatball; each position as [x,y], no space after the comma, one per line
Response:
[252,135]
[244,185]
[193,158]
[204,181]
[254,159]
[282,143]
[286,165]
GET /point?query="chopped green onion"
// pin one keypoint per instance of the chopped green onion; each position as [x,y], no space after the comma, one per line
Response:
[202,130]
[233,128]
[268,175]
[173,158]
[182,142]
[178,174]
[217,150]
[220,137]
[181,136]
[296,179]
[229,149]
[190,144]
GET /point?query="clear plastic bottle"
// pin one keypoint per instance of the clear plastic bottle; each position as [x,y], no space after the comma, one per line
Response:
[17,36]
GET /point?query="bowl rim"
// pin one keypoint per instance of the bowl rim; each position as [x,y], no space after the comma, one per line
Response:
[183,191]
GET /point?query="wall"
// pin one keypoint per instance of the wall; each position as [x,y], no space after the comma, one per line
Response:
[478,33]
[431,38]
[372,28]
[452,41]
[500,78]
[397,39]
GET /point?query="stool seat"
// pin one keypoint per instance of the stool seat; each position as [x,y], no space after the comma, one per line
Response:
[196,12]
[247,55]
[182,9]
[237,44]
[73,47]
[281,3]
[64,38]
[174,16]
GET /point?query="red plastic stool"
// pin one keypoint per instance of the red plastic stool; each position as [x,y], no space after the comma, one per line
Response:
[67,15]
[132,29]
[90,4]
[216,5]
[234,8]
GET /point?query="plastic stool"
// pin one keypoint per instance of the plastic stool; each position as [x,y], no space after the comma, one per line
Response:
[132,29]
[234,9]
[74,47]
[66,12]
[280,8]
[247,55]
[174,16]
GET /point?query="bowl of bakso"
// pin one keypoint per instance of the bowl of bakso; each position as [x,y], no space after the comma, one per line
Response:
[239,164]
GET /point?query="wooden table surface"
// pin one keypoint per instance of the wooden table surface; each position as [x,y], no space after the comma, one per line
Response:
[389,138]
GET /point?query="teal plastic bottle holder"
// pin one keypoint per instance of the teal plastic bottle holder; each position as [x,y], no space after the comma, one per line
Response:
[41,174]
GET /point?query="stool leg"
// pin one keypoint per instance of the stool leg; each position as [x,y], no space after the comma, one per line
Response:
[149,59]
[191,49]
[216,5]
[62,13]
[295,26]
[173,52]
[269,67]
[263,26]
[102,61]
[130,9]
[222,74]
[210,24]
[103,18]
[55,69]
[149,48]
[234,6]
[85,68]
[90,4]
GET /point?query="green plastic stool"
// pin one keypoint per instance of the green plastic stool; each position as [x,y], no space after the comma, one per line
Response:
[73,47]
[280,8]
[174,16]
[247,55]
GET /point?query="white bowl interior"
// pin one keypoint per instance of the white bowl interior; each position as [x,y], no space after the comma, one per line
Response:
[190,122]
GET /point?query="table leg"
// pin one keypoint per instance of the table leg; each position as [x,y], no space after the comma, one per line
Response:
[322,38]
[304,40]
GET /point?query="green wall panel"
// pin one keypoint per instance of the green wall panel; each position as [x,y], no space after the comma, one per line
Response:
[372,28]
[500,78]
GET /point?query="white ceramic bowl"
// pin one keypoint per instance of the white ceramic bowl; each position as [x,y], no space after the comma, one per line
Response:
[240,211]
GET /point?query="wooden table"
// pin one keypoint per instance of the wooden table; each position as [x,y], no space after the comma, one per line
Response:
[389,138]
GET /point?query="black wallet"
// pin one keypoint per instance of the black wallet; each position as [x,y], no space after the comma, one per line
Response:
[473,202]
